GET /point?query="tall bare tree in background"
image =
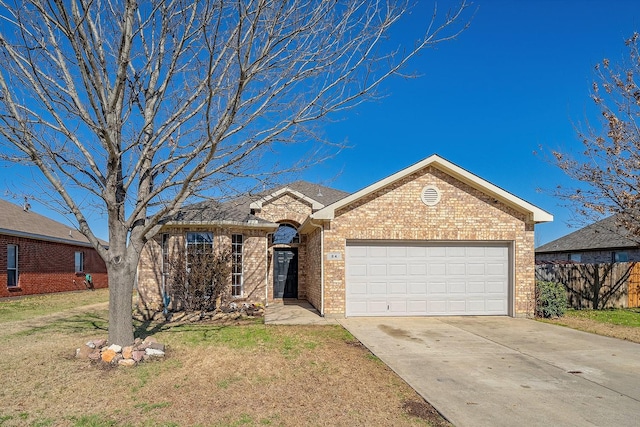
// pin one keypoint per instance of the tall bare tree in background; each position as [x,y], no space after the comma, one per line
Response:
[609,167]
[133,107]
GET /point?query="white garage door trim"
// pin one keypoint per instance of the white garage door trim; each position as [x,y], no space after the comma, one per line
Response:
[387,278]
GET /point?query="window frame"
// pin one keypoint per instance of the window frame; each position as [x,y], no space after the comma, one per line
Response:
[295,239]
[198,245]
[15,269]
[616,255]
[237,265]
[81,263]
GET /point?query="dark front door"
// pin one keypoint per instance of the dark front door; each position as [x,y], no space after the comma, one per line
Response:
[285,273]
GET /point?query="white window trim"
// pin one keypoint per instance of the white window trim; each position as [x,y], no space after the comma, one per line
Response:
[233,261]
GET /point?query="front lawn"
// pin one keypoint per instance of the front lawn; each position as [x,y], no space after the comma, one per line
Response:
[214,375]
[617,323]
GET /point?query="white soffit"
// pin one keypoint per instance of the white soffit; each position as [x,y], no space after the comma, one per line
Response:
[536,214]
[315,205]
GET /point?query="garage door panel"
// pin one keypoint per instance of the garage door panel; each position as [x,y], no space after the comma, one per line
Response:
[423,279]
[397,307]
[377,270]
[418,269]
[476,287]
[436,268]
[417,306]
[398,269]
[396,288]
[417,288]
[377,288]
[456,269]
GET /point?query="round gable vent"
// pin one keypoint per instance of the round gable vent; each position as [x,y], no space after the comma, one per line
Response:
[430,195]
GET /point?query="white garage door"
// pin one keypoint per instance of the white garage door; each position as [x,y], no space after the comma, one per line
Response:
[427,279]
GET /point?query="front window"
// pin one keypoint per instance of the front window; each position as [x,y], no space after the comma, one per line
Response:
[79,262]
[575,257]
[12,265]
[198,243]
[236,267]
[286,234]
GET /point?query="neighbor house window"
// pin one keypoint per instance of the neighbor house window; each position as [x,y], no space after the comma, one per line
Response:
[12,265]
[620,257]
[575,257]
[79,262]
[285,234]
[236,267]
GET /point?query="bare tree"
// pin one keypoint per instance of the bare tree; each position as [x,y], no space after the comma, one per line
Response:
[134,107]
[609,167]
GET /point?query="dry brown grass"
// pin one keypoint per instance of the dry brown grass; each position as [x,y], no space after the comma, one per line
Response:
[238,375]
[628,333]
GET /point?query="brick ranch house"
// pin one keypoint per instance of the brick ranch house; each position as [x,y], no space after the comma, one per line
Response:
[432,239]
[39,255]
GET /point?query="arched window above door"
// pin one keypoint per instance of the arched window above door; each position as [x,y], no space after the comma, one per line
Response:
[286,234]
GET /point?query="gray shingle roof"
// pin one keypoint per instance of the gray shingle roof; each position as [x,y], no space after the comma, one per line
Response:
[604,234]
[14,220]
[239,210]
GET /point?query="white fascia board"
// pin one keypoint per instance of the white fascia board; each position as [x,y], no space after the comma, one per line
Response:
[536,214]
[315,205]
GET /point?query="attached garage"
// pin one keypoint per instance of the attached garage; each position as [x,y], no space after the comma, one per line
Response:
[430,240]
[423,278]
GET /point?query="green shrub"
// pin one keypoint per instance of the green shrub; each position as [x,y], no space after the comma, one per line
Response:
[551,299]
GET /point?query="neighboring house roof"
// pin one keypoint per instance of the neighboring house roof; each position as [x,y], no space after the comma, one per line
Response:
[20,222]
[238,211]
[604,234]
[536,214]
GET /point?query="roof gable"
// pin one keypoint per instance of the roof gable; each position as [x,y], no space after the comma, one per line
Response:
[535,214]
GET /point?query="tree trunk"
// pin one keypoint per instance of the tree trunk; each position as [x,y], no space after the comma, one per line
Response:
[121,280]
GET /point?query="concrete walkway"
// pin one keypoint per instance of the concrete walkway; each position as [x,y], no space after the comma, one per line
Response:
[294,312]
[500,371]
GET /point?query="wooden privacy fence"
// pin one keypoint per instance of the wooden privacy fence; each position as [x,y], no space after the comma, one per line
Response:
[596,285]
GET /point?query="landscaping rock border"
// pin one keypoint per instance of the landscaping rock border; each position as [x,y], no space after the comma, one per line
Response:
[99,350]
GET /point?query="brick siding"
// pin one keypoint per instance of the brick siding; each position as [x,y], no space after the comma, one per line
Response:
[46,267]
[396,212]
[254,268]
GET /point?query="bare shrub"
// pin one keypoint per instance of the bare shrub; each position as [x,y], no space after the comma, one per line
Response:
[199,280]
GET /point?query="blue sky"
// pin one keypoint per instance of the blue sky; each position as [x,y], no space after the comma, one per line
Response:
[518,79]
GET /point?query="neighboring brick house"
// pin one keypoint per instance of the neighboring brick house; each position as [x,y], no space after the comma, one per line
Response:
[604,241]
[39,255]
[432,239]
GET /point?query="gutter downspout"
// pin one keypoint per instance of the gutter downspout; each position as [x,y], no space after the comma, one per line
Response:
[321,227]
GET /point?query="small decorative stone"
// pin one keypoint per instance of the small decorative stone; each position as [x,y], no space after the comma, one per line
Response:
[156,346]
[138,355]
[149,340]
[108,355]
[99,343]
[91,344]
[127,362]
[115,347]
[83,352]
[152,352]
[94,355]
[127,352]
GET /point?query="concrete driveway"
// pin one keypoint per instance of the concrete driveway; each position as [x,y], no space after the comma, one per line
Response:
[500,371]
